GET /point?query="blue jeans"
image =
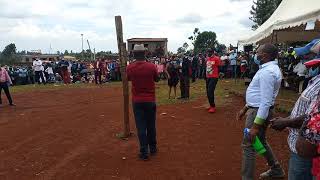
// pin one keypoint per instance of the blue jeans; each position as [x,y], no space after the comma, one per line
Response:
[145,117]
[299,168]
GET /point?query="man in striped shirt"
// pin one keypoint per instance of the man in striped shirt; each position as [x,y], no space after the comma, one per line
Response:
[299,168]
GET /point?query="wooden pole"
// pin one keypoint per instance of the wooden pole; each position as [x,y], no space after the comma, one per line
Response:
[123,56]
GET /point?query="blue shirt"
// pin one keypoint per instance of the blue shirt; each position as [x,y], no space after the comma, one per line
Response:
[264,89]
[313,73]
[233,59]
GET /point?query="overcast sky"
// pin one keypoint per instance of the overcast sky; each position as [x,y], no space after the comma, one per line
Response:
[35,24]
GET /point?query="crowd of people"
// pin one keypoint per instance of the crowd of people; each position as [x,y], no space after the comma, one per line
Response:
[268,69]
[64,71]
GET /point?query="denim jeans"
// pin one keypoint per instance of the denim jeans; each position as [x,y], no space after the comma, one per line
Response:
[299,168]
[145,117]
[249,154]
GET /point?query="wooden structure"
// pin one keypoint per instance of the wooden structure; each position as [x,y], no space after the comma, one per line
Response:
[293,34]
[44,57]
[155,46]
[123,55]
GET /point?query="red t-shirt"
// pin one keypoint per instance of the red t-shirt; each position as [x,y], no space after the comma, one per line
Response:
[143,75]
[213,64]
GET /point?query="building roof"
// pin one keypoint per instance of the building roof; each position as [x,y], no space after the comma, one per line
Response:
[41,55]
[148,39]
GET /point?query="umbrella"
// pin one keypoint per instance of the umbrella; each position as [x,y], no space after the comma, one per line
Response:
[316,48]
[306,49]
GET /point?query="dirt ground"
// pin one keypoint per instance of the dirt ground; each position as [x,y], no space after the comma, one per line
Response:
[71,134]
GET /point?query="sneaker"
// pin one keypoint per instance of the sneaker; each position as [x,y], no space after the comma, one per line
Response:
[212,110]
[12,104]
[277,173]
[143,157]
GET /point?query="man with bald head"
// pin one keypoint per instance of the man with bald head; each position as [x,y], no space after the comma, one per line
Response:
[260,99]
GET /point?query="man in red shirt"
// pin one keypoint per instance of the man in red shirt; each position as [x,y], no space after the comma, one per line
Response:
[98,66]
[213,63]
[143,76]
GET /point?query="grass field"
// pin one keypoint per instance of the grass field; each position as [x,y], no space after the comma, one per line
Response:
[285,100]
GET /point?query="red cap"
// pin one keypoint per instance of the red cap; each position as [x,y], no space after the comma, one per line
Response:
[314,62]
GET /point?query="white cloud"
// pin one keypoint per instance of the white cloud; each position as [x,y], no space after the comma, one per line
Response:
[35,24]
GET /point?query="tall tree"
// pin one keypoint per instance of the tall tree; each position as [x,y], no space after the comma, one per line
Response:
[66,52]
[205,40]
[193,38]
[9,50]
[9,55]
[261,11]
[185,46]
[181,50]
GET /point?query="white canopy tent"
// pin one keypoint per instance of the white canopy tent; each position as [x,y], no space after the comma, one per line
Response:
[289,14]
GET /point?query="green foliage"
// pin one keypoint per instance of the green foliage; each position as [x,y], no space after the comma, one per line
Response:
[9,55]
[9,50]
[204,41]
[193,38]
[261,11]
[181,50]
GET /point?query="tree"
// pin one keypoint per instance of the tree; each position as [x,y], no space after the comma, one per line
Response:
[181,50]
[205,40]
[9,50]
[185,46]
[9,55]
[66,52]
[261,11]
[220,48]
[193,38]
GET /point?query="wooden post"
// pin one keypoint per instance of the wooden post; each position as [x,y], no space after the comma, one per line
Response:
[123,56]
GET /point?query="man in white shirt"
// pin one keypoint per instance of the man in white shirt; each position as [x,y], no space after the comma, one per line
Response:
[38,70]
[260,99]
[301,70]
[224,64]
[233,63]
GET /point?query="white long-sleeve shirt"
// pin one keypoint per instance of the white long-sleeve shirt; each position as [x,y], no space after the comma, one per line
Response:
[300,69]
[264,89]
[37,65]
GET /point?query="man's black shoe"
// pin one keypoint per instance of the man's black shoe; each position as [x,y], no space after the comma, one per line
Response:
[143,157]
[12,104]
[153,151]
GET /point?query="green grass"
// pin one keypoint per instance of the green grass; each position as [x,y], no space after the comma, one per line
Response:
[225,88]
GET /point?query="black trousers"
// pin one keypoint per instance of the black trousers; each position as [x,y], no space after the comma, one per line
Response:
[211,84]
[38,75]
[97,77]
[5,87]
[145,117]
[194,74]
[185,86]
